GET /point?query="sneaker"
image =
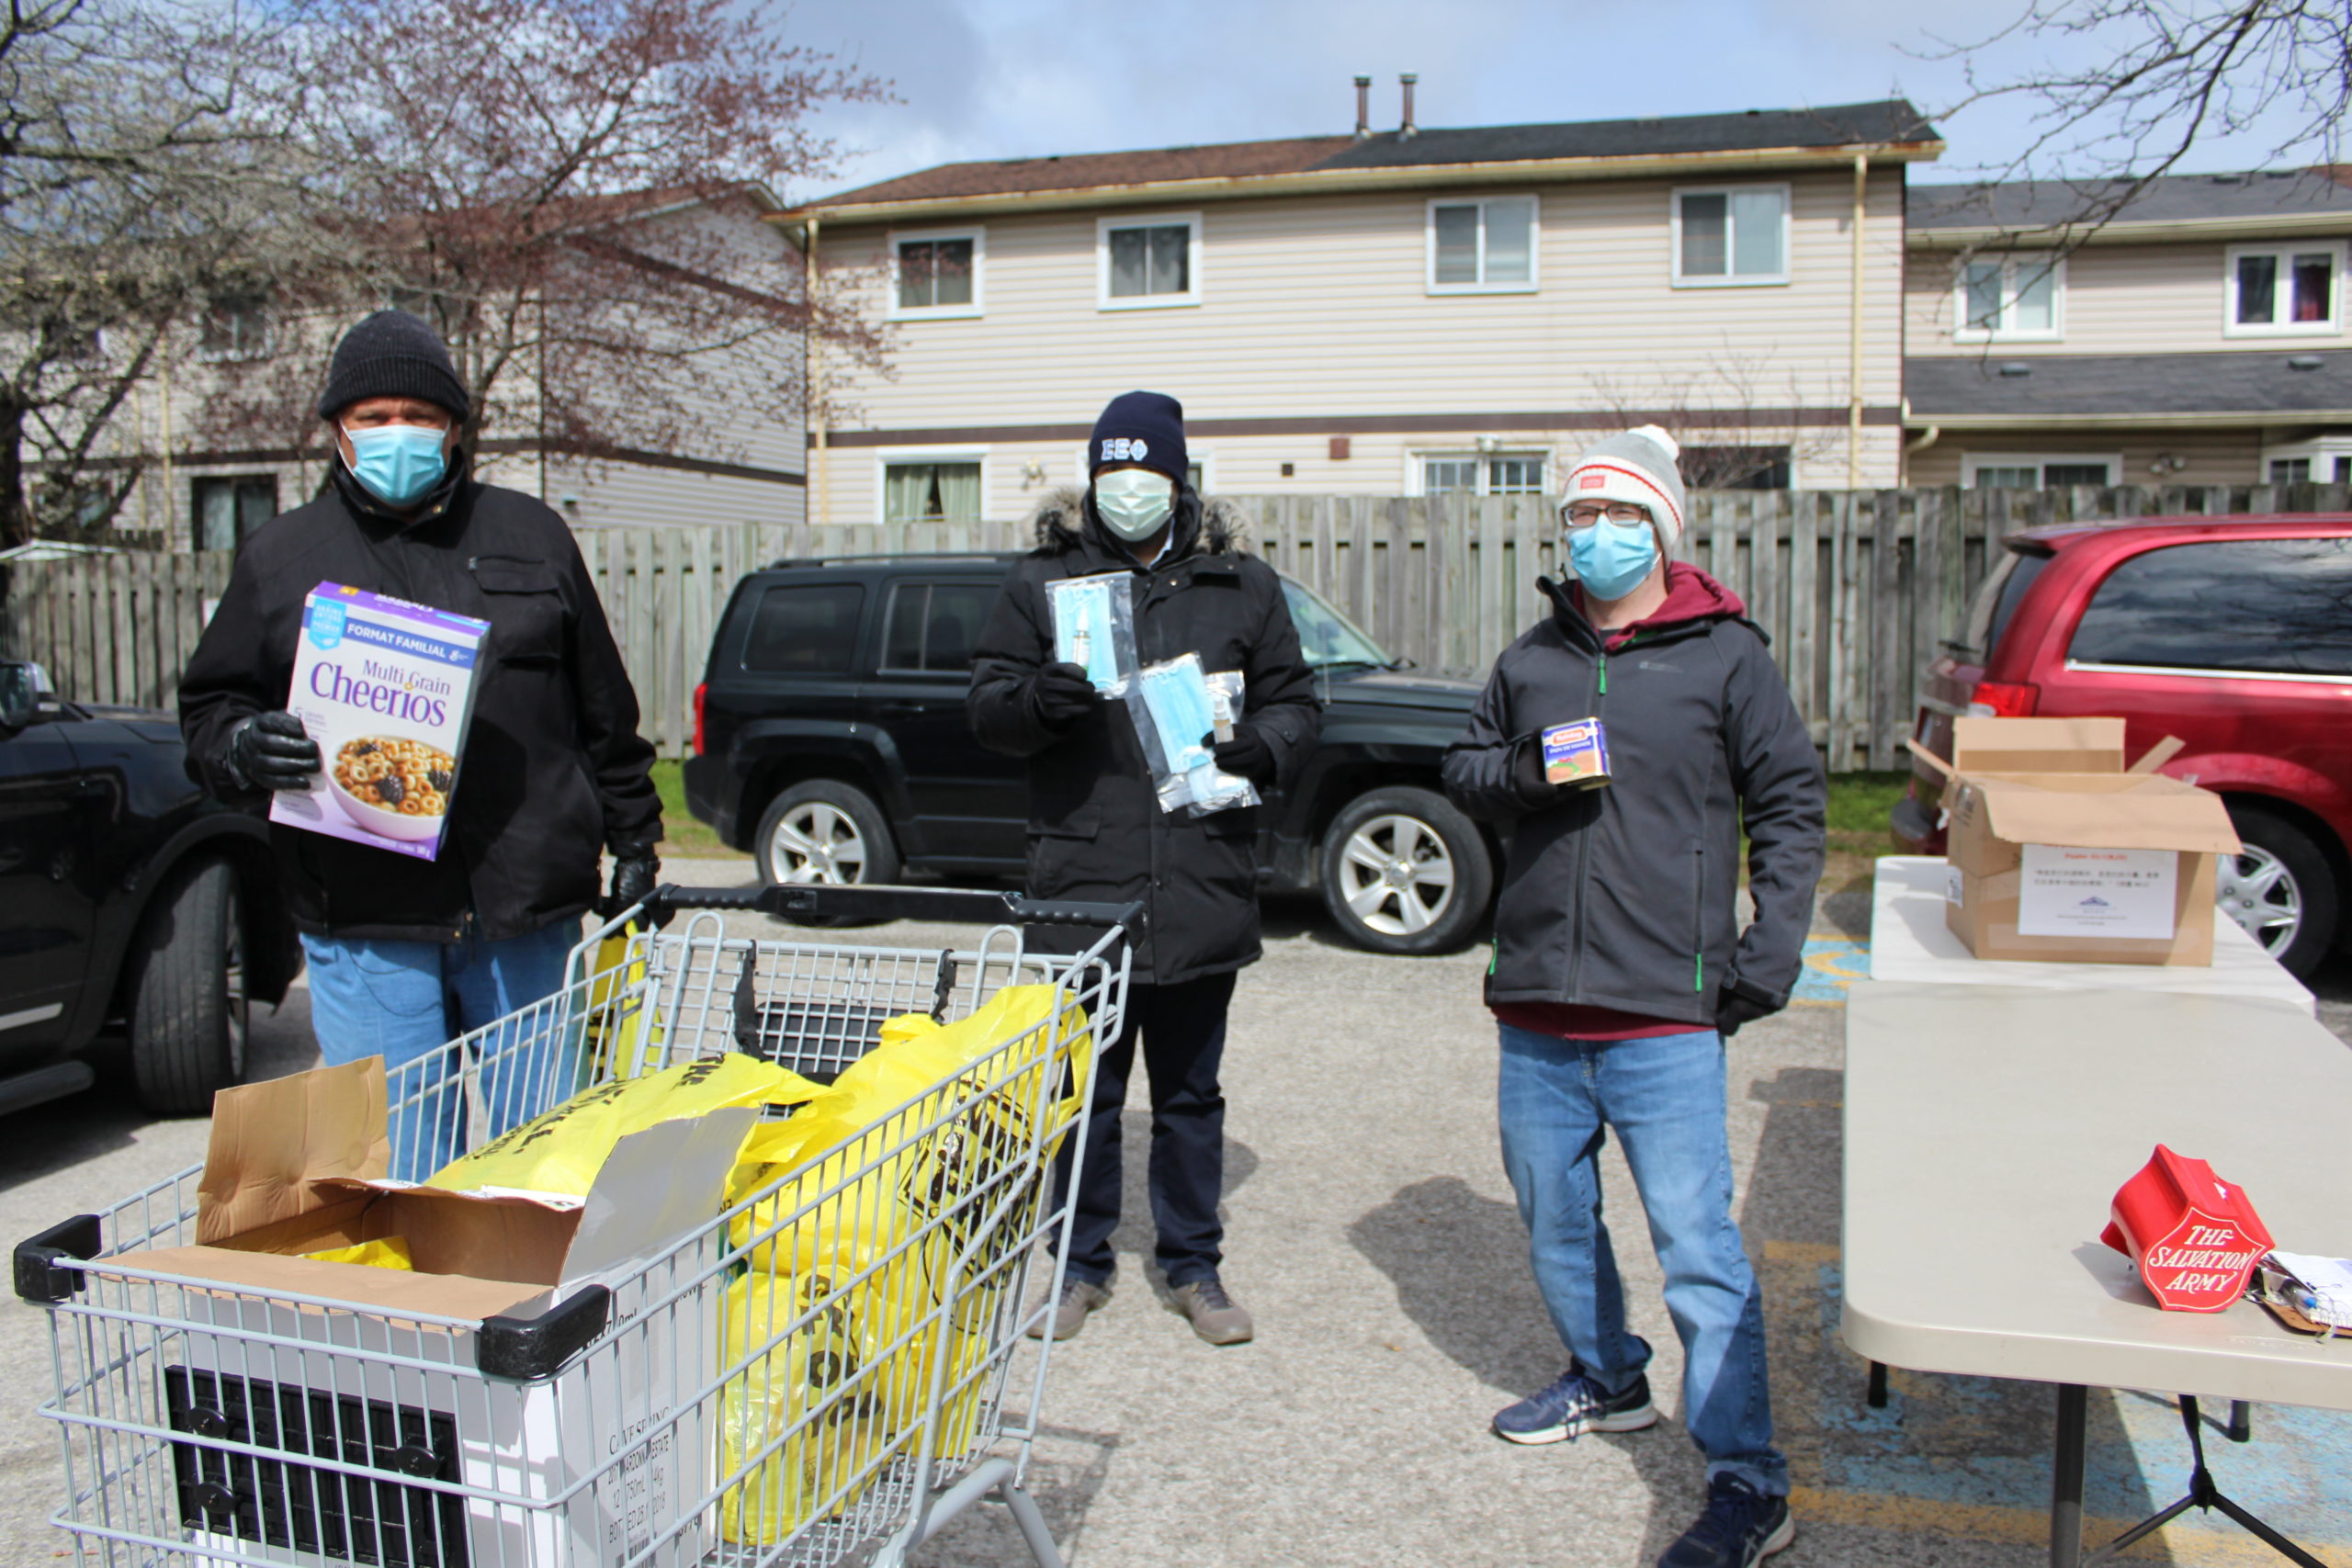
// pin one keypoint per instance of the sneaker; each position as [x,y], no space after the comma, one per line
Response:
[1216,1316]
[1079,1297]
[1574,1405]
[1740,1527]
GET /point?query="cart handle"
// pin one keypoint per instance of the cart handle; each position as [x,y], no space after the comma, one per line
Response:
[817,901]
[524,1350]
[42,1277]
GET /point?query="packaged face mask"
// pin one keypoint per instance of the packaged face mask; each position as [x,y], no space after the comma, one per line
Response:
[1174,706]
[1095,626]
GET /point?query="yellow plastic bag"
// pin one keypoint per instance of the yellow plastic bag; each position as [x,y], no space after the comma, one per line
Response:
[563,1150]
[390,1253]
[616,1000]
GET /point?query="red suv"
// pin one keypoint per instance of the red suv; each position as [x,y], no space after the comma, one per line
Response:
[2234,634]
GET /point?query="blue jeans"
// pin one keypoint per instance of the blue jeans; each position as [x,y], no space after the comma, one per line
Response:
[1665,1097]
[404,1000]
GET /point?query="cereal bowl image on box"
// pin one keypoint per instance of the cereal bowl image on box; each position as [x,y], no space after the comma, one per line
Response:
[385,688]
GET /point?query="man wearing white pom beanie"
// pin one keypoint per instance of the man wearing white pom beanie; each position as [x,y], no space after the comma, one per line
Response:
[1622,743]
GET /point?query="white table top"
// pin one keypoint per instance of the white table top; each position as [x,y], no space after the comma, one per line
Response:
[1909,941]
[1987,1128]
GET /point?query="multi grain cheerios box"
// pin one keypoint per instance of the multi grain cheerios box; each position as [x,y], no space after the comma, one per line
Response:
[386,688]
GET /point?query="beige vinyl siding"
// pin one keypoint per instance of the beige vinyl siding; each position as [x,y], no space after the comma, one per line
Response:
[2214,457]
[2118,299]
[1319,308]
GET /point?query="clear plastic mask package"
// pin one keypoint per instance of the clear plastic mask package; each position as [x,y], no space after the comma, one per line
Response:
[1095,626]
[1173,705]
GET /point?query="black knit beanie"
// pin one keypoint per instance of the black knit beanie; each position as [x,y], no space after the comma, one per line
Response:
[1139,427]
[392,355]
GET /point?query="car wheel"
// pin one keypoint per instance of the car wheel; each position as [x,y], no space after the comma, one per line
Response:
[189,1011]
[825,832]
[2279,889]
[1404,872]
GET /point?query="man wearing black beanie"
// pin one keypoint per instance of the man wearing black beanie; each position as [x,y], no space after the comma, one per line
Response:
[406,953]
[1097,830]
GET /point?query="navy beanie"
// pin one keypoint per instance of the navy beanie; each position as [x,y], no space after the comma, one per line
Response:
[1139,427]
[392,355]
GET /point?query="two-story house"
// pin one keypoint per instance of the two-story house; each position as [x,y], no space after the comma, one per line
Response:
[1412,312]
[2197,338]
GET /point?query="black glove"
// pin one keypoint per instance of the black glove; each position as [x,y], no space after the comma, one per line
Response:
[272,750]
[1061,694]
[1247,755]
[633,875]
[1527,780]
[1739,1002]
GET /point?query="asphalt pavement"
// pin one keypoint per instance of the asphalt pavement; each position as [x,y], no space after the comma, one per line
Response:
[1371,1231]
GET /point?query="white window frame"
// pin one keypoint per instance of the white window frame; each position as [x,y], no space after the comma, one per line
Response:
[1416,476]
[2013,264]
[1970,462]
[1732,280]
[2325,452]
[979,235]
[228,355]
[886,455]
[1535,243]
[2285,251]
[1103,227]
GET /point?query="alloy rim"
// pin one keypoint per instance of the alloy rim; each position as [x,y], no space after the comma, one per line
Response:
[2257,891]
[817,842]
[1396,874]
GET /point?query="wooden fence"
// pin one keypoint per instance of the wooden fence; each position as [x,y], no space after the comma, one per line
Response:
[1855,588]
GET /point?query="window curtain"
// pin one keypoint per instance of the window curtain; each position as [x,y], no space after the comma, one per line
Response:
[959,493]
[906,487]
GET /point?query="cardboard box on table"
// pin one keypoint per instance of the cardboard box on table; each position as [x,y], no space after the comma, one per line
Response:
[295,1166]
[2061,854]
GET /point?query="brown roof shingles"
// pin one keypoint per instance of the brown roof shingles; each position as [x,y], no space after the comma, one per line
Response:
[1087,171]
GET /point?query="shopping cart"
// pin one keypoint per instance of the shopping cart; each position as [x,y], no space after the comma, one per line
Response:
[818,1374]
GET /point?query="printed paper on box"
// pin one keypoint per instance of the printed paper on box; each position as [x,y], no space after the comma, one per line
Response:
[2096,891]
[385,687]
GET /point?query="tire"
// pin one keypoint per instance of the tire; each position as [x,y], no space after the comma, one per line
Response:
[2281,890]
[825,832]
[1404,872]
[189,1011]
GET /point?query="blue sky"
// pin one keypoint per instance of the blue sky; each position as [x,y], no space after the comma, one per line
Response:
[1008,78]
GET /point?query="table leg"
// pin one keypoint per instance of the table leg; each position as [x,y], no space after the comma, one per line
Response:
[2241,1428]
[2066,1478]
[1875,1396]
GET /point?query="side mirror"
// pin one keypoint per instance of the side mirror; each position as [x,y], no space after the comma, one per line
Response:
[22,687]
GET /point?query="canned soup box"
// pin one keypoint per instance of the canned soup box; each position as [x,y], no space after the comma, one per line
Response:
[386,688]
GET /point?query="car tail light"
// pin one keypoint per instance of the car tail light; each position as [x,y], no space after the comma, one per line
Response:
[2005,699]
[702,690]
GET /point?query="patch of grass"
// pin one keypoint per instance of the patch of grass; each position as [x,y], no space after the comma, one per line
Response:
[1858,804]
[682,833]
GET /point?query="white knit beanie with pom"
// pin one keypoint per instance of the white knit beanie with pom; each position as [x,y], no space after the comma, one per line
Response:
[1636,468]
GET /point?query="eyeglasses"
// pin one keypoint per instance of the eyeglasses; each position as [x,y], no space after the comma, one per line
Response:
[1584,513]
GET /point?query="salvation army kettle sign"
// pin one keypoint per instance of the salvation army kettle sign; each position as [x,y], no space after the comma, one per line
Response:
[2193,1236]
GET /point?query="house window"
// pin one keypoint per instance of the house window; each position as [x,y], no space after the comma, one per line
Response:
[2031,471]
[2284,290]
[1736,468]
[2317,461]
[235,326]
[1140,265]
[1485,246]
[224,512]
[931,491]
[2009,296]
[1483,473]
[936,274]
[1737,235]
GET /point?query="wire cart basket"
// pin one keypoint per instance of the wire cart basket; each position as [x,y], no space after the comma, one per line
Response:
[817,1373]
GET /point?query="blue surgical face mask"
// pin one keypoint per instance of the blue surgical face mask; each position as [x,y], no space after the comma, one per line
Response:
[399,464]
[1610,560]
[1134,502]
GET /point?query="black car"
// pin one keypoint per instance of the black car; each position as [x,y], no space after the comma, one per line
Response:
[131,901]
[829,741]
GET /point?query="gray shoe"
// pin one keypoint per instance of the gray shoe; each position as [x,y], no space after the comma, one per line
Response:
[1216,1316]
[1079,1297]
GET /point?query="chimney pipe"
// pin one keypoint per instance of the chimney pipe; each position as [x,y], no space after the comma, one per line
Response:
[1409,128]
[1364,106]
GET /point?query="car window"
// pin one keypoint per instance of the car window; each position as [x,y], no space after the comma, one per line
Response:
[805,629]
[2279,606]
[936,626]
[1997,600]
[1327,637]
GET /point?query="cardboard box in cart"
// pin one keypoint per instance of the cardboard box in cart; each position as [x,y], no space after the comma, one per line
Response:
[294,1167]
[2061,854]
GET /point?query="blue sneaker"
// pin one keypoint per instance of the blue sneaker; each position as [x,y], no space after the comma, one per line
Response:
[1740,1528]
[1574,1405]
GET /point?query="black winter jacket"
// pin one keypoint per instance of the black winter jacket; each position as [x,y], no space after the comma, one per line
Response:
[553,767]
[1624,897]
[1096,831]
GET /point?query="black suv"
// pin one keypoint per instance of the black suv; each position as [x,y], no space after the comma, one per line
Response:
[829,742]
[134,902]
